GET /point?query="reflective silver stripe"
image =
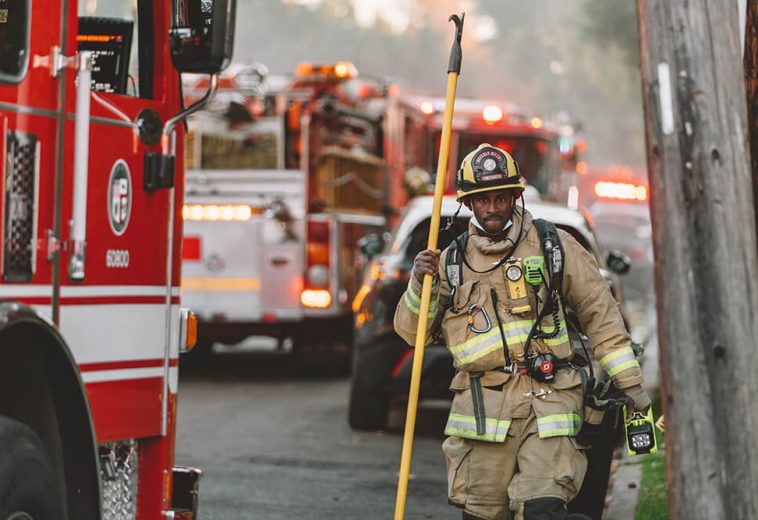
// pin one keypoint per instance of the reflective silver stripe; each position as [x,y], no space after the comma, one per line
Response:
[465,426]
[619,360]
[558,425]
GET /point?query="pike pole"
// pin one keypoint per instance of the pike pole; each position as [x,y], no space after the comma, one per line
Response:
[453,70]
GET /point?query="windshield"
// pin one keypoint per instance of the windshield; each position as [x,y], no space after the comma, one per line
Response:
[538,158]
[249,146]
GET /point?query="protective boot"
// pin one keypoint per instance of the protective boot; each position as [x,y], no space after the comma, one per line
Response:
[545,508]
[469,516]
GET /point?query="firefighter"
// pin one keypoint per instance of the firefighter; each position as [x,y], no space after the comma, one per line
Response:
[511,445]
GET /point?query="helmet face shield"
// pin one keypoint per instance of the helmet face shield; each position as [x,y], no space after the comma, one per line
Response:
[485,169]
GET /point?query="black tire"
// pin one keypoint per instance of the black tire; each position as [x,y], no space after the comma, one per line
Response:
[369,386]
[27,486]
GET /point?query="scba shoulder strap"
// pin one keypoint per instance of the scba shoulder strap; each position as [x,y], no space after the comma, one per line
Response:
[454,260]
[552,250]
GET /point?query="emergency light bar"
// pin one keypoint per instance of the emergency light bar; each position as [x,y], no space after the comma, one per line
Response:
[620,190]
[215,212]
[340,70]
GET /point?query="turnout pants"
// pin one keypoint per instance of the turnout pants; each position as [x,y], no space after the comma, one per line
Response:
[492,480]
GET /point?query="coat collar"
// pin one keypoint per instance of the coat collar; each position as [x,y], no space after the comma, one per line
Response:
[486,245]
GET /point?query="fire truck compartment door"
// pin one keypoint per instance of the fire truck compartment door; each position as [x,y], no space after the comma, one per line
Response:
[246,271]
[282,269]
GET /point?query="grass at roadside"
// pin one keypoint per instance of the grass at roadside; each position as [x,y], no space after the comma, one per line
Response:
[652,503]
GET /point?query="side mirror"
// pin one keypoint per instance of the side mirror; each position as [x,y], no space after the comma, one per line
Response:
[371,245]
[618,262]
[201,37]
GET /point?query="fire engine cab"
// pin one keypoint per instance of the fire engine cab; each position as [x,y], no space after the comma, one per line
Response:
[90,324]
[285,175]
[547,150]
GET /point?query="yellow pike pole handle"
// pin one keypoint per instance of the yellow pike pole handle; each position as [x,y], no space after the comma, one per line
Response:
[453,70]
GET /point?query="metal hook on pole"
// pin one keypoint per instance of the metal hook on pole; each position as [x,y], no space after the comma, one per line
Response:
[454,69]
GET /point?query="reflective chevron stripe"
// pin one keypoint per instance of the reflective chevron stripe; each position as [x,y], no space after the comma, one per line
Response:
[558,425]
[465,426]
[619,360]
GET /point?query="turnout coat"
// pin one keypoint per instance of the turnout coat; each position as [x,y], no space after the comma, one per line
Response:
[467,322]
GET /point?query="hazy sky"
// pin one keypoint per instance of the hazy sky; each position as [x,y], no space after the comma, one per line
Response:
[534,53]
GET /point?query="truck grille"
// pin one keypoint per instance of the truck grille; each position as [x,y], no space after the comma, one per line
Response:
[119,474]
[20,186]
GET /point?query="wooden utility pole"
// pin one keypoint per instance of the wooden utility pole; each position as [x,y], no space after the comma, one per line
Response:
[750,62]
[705,247]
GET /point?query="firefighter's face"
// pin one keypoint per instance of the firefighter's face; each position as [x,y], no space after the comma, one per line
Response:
[492,208]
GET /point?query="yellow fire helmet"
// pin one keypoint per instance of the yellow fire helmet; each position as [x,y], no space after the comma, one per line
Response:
[487,168]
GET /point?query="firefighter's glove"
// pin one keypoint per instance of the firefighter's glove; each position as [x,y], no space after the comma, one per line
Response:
[640,401]
[607,403]
[426,262]
[604,395]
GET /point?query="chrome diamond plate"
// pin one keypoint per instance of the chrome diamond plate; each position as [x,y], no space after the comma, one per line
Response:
[119,473]
[20,189]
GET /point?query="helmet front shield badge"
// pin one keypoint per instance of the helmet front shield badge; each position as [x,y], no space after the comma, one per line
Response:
[487,169]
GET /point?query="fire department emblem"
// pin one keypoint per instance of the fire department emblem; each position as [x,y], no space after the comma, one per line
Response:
[119,197]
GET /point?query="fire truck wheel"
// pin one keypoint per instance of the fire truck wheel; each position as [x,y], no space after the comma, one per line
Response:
[369,395]
[27,487]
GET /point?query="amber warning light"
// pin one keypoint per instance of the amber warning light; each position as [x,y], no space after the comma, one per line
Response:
[339,70]
[620,191]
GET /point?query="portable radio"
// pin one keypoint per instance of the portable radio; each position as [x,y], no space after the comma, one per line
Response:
[534,267]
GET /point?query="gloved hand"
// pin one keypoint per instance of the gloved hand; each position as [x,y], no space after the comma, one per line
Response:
[640,401]
[426,262]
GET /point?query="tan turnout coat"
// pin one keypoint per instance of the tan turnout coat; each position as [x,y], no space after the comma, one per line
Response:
[506,396]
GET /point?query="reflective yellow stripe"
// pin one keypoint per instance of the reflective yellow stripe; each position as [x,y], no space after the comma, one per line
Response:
[554,342]
[558,425]
[618,361]
[412,296]
[465,426]
[561,338]
[482,344]
[221,284]
[415,305]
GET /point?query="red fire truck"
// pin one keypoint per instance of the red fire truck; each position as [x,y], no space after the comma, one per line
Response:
[546,149]
[90,324]
[285,175]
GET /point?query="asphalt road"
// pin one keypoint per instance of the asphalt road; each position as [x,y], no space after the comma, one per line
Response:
[271,435]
